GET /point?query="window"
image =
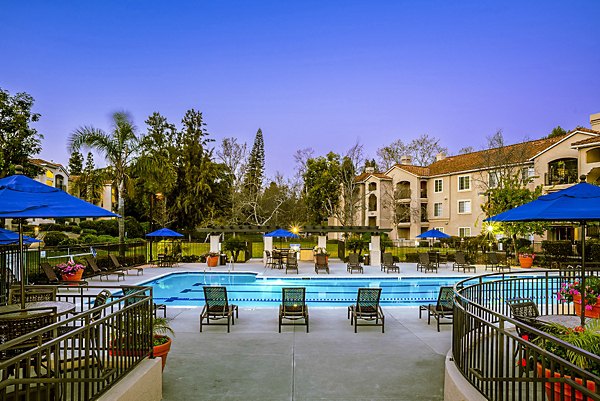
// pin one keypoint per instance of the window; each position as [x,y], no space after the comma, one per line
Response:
[464,206]
[464,232]
[437,209]
[440,229]
[464,183]
[437,185]
[372,186]
[526,174]
[372,203]
[493,179]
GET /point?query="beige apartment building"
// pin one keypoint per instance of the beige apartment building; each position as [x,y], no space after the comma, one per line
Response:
[448,194]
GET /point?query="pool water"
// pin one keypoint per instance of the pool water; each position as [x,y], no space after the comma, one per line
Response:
[246,289]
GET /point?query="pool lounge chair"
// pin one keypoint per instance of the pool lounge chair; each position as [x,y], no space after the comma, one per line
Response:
[217,307]
[101,273]
[321,263]
[354,264]
[124,268]
[461,263]
[425,263]
[132,289]
[442,309]
[291,263]
[493,263]
[293,307]
[388,264]
[367,308]
[53,278]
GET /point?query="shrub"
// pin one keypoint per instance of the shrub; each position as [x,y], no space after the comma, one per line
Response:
[356,245]
[190,258]
[54,238]
[74,229]
[87,231]
[107,238]
[89,239]
[558,250]
[132,228]
[234,246]
[108,227]
[52,227]
[69,242]
[87,224]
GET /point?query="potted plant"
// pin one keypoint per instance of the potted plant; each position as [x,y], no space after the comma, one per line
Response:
[162,342]
[571,292]
[526,257]
[70,271]
[212,259]
[319,250]
[588,339]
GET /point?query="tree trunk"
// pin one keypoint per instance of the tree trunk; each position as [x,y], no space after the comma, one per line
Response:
[121,208]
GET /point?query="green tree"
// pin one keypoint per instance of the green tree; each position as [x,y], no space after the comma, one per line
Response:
[557,131]
[90,183]
[322,186]
[255,168]
[119,147]
[76,163]
[18,141]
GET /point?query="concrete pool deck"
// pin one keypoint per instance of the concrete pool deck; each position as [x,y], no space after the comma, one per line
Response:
[255,362]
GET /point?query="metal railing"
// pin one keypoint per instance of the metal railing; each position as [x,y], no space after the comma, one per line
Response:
[505,366]
[81,356]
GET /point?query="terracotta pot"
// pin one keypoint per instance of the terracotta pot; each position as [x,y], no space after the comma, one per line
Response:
[212,261]
[595,312]
[560,392]
[162,351]
[73,277]
[526,261]
[119,348]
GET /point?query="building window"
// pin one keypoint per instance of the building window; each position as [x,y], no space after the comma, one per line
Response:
[464,206]
[464,232]
[437,209]
[437,185]
[464,183]
[440,229]
[493,179]
[372,203]
[372,186]
[527,174]
[372,221]
[403,190]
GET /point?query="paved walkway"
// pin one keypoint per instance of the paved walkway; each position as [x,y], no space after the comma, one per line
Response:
[255,362]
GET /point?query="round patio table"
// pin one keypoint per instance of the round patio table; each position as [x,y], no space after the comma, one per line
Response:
[14,311]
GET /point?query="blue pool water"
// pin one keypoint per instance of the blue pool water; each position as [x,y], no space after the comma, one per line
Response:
[246,289]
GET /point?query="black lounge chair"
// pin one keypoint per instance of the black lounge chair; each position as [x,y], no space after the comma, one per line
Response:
[425,263]
[461,263]
[442,309]
[132,289]
[321,263]
[293,307]
[367,308]
[123,267]
[388,263]
[217,307]
[270,262]
[492,262]
[101,273]
[354,264]
[53,278]
[291,262]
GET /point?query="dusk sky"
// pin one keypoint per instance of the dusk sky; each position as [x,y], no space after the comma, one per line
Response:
[320,74]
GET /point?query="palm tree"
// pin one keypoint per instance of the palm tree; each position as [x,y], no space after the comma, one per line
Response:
[119,147]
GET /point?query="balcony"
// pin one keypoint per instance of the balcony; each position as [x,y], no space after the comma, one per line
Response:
[403,194]
[561,172]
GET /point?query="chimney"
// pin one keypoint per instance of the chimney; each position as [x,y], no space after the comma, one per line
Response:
[406,160]
[440,156]
[370,170]
[595,121]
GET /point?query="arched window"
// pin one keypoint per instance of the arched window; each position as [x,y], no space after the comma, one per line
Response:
[592,155]
[59,182]
[372,203]
[403,190]
[562,171]
[372,186]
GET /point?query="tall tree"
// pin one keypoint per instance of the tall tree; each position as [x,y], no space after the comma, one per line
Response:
[255,170]
[347,210]
[424,149]
[232,155]
[322,186]
[76,163]
[18,141]
[119,147]
[391,154]
[90,183]
[557,131]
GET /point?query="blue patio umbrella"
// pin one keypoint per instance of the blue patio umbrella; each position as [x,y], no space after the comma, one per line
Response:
[281,233]
[579,203]
[164,232]
[433,233]
[8,237]
[24,198]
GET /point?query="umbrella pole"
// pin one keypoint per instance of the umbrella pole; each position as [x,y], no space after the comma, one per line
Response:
[583,232]
[21,264]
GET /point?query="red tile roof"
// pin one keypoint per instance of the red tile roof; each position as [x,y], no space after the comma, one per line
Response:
[41,162]
[416,170]
[364,176]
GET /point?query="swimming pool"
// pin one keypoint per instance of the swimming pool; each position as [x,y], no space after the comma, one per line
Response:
[246,289]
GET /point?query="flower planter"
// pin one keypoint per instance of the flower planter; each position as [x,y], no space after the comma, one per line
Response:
[212,261]
[73,277]
[560,392]
[594,312]
[162,351]
[120,348]
[526,261]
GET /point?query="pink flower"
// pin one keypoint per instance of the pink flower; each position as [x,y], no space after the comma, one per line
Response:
[589,307]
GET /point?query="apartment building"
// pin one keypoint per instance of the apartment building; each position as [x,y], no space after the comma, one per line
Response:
[53,174]
[448,194]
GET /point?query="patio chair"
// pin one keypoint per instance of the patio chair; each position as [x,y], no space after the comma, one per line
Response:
[131,289]
[293,307]
[53,278]
[461,263]
[442,309]
[493,263]
[270,262]
[524,311]
[291,263]
[388,263]
[123,267]
[353,263]
[425,263]
[321,263]
[32,294]
[367,308]
[101,273]
[217,307]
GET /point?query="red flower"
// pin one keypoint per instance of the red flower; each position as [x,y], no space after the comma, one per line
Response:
[525,337]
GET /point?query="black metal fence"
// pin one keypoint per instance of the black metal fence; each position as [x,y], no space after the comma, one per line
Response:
[81,356]
[505,366]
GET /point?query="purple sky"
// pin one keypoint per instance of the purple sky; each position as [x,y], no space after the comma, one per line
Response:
[320,74]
